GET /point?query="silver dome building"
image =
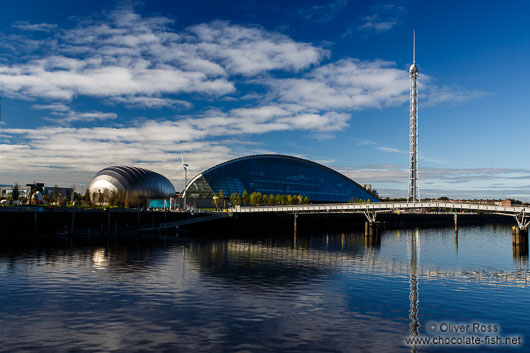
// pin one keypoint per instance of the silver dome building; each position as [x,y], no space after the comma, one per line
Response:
[133,186]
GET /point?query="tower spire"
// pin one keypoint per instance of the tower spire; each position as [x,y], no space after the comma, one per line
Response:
[413,194]
[414,46]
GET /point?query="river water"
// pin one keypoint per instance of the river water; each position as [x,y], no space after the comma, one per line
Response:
[286,293]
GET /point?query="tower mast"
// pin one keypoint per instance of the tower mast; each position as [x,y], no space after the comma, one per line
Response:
[413,194]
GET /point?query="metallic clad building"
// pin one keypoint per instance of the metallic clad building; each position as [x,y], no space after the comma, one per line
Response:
[139,184]
[277,174]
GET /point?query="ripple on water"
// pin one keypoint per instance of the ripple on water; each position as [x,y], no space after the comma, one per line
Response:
[319,293]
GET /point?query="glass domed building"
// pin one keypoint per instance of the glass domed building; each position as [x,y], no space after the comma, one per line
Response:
[277,174]
[138,185]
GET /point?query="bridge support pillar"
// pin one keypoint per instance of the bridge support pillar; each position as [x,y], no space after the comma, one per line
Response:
[295,218]
[520,243]
[519,236]
[371,233]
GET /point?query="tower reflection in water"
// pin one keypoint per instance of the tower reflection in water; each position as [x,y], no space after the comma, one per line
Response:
[304,259]
[414,285]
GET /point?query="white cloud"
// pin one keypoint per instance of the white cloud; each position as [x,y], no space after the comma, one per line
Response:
[150,102]
[438,95]
[323,12]
[124,58]
[390,149]
[59,107]
[382,17]
[84,117]
[351,84]
[365,142]
[346,84]
[392,180]
[250,51]
[34,27]
[81,152]
[125,55]
[64,115]
[154,144]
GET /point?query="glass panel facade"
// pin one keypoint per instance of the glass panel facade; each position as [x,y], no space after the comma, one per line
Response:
[199,189]
[276,174]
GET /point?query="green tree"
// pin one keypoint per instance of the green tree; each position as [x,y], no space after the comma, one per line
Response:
[306,200]
[77,196]
[216,200]
[15,195]
[238,199]
[374,193]
[255,198]
[56,194]
[277,199]
[265,199]
[284,199]
[101,198]
[245,198]
[271,199]
[86,198]
[222,197]
[289,200]
[233,199]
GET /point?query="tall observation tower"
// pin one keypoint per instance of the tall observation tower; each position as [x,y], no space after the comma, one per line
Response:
[414,194]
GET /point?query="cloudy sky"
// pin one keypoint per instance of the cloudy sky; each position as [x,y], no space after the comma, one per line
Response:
[86,85]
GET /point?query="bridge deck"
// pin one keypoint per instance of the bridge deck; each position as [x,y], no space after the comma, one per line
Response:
[384,206]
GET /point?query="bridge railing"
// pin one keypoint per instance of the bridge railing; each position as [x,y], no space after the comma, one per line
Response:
[382,206]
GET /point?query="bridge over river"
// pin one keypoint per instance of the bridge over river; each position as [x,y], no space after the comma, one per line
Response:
[370,210]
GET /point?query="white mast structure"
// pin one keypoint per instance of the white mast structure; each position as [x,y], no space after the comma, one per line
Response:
[414,194]
[185,166]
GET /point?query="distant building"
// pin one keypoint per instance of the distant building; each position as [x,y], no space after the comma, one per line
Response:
[62,193]
[367,187]
[508,202]
[6,192]
[499,202]
[26,192]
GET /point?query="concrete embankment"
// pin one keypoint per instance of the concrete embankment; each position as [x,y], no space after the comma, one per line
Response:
[43,222]
[18,223]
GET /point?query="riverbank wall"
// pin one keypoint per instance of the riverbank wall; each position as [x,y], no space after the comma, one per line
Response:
[43,222]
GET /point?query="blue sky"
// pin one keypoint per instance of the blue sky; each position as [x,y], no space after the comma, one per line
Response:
[92,84]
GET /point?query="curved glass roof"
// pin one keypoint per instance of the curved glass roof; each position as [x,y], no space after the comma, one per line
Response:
[277,174]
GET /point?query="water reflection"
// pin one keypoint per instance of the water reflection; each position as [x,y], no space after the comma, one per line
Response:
[99,259]
[520,254]
[333,292]
[414,286]
[456,240]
